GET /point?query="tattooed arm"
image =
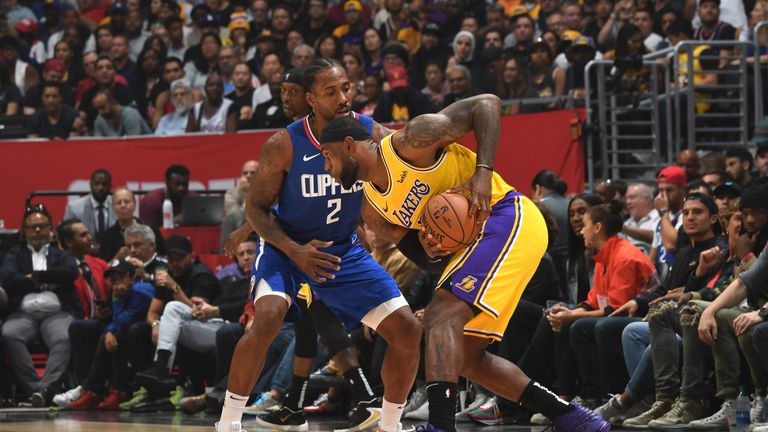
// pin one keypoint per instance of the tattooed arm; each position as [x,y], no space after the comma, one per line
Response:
[423,136]
[264,187]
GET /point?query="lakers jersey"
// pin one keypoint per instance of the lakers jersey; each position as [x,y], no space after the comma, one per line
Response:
[409,187]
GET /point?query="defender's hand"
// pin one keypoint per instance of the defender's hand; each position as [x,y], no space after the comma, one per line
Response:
[316,264]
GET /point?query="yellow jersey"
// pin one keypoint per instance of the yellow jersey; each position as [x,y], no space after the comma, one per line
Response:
[698,76]
[409,187]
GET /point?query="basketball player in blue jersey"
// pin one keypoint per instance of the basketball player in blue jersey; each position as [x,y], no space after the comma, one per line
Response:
[482,283]
[317,319]
[310,237]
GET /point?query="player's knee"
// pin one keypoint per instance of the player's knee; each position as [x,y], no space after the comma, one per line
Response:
[401,329]
[447,318]
[264,328]
[412,330]
[409,337]
[271,309]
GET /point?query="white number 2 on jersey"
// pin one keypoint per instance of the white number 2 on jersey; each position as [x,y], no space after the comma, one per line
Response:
[335,206]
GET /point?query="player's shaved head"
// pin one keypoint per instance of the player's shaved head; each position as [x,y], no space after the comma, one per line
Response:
[340,141]
[339,128]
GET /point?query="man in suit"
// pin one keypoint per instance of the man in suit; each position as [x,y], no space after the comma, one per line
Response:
[95,209]
[94,297]
[38,277]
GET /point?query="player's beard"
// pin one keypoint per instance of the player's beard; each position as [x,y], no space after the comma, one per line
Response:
[349,173]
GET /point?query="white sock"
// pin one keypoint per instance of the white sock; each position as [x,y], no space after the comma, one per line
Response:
[232,412]
[390,416]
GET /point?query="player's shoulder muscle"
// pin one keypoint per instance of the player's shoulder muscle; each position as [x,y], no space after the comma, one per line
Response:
[277,152]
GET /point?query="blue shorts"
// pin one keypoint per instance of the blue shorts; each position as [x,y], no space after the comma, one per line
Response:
[361,292]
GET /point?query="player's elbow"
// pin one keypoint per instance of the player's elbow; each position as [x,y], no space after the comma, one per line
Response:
[490,100]
[256,215]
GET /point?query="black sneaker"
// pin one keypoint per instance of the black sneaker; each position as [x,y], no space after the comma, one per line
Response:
[156,382]
[364,416]
[165,402]
[284,419]
[42,398]
[154,405]
[214,402]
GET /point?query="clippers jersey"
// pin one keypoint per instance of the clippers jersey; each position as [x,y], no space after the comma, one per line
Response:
[311,204]
[410,187]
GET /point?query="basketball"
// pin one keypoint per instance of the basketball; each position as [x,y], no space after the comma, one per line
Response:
[446,218]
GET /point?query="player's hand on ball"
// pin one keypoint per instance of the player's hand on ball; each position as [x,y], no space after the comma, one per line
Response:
[479,188]
[432,248]
[316,264]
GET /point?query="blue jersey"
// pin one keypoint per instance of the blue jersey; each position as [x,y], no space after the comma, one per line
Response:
[311,204]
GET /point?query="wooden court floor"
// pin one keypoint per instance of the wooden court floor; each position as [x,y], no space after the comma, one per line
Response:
[42,421]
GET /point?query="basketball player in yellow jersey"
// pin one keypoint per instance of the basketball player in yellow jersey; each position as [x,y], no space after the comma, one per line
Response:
[481,285]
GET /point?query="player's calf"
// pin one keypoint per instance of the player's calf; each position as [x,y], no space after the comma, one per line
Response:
[402,331]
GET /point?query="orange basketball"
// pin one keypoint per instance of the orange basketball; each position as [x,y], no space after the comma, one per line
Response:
[447,219]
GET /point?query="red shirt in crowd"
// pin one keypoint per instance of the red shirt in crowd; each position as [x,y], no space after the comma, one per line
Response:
[85,84]
[151,206]
[98,266]
[621,270]
[97,12]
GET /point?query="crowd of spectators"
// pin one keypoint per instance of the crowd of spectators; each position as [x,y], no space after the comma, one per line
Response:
[95,67]
[134,321]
